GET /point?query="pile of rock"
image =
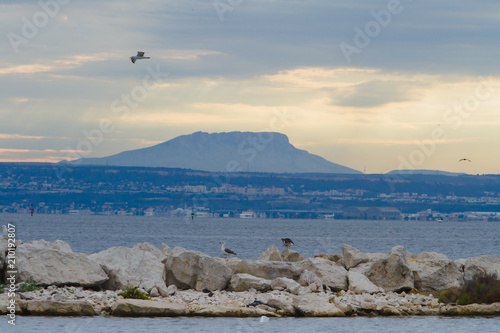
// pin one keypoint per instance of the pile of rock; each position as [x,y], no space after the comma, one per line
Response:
[184,282]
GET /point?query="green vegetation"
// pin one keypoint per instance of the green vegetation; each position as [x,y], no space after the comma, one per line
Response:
[2,288]
[30,285]
[133,292]
[483,288]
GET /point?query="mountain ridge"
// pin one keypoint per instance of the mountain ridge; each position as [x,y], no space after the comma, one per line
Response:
[225,152]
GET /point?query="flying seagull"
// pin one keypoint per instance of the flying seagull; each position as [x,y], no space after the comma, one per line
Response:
[140,55]
[464,159]
[287,242]
[225,250]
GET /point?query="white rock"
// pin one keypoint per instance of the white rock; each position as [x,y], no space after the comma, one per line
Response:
[352,256]
[482,264]
[154,292]
[291,256]
[266,269]
[392,273]
[287,284]
[315,305]
[56,245]
[171,290]
[244,282]
[166,250]
[307,278]
[281,304]
[196,270]
[435,274]
[47,265]
[359,284]
[426,256]
[126,266]
[151,249]
[271,254]
[331,275]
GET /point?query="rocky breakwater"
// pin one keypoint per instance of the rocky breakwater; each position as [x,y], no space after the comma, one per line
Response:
[53,280]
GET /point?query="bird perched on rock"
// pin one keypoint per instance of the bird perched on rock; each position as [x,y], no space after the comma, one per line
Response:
[225,250]
[287,242]
[139,56]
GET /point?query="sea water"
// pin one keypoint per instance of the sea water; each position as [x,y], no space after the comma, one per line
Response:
[248,238]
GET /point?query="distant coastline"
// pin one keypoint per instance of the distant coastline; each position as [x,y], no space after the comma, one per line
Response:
[106,190]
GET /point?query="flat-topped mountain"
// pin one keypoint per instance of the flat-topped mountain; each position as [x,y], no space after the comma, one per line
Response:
[225,152]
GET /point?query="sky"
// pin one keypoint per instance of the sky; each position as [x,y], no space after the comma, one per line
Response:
[371,85]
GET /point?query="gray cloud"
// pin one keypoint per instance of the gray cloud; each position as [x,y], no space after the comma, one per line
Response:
[378,92]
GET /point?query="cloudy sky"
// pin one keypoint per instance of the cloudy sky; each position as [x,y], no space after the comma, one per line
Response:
[372,85]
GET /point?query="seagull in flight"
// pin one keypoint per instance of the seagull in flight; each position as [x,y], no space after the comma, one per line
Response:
[225,250]
[140,55]
[464,159]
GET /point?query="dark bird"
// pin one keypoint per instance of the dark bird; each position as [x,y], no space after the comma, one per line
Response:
[256,302]
[225,250]
[464,159]
[287,242]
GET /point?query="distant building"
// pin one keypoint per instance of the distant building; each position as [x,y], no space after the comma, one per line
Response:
[355,213]
[372,213]
[247,215]
[383,213]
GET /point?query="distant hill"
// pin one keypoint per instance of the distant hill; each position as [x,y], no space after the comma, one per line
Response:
[425,172]
[225,152]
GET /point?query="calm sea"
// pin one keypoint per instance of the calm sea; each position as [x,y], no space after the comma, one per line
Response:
[248,238]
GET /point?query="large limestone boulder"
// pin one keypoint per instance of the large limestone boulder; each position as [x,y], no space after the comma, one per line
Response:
[166,250]
[150,248]
[265,269]
[332,276]
[271,254]
[291,256]
[144,308]
[484,264]
[285,306]
[245,282]
[126,266]
[56,245]
[315,305]
[196,270]
[391,273]
[360,284]
[426,256]
[471,310]
[435,274]
[47,265]
[352,256]
[57,308]
[286,284]
[307,278]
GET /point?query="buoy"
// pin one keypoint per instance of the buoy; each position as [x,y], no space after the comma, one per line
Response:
[264,319]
